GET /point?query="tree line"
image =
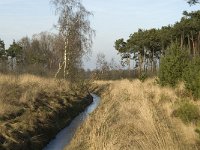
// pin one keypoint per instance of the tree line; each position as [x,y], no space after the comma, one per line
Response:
[59,54]
[170,52]
[145,47]
[193,2]
[143,51]
[38,54]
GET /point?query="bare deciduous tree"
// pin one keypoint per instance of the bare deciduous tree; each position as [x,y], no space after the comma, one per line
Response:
[74,28]
[102,66]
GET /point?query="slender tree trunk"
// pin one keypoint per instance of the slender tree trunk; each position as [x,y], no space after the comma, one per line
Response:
[140,63]
[171,39]
[134,69]
[148,62]
[59,68]
[198,44]
[163,48]
[144,64]
[189,45]
[152,62]
[182,40]
[144,60]
[176,40]
[65,58]
[193,45]
[129,65]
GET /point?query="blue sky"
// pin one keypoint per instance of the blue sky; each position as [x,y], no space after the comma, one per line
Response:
[112,19]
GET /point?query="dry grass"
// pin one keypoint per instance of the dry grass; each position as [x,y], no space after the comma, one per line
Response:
[34,109]
[23,89]
[134,115]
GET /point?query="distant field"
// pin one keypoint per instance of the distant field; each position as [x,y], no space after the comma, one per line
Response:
[135,115]
[33,109]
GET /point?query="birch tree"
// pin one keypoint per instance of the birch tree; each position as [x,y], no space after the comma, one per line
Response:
[74,28]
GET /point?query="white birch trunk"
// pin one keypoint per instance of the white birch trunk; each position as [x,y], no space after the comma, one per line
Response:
[65,57]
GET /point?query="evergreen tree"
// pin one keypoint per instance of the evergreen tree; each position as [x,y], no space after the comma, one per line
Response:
[14,54]
[173,65]
[192,77]
[193,2]
[15,50]
[2,50]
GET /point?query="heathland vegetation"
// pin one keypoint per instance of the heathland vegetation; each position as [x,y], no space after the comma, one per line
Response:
[33,109]
[158,113]
[151,104]
[139,115]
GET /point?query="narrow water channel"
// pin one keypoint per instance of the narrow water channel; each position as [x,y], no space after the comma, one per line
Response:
[63,138]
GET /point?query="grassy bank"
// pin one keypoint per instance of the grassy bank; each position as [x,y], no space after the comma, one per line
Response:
[136,115]
[33,109]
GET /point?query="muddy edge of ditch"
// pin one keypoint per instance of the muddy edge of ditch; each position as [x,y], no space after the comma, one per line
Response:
[48,115]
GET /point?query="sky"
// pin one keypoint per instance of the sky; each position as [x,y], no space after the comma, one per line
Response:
[112,19]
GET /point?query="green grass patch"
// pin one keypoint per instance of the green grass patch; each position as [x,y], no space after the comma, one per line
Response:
[188,113]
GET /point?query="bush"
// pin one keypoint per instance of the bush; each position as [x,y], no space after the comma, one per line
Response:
[172,65]
[188,113]
[197,130]
[143,77]
[192,77]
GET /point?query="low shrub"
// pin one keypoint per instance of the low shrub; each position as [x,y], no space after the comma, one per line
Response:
[197,130]
[192,77]
[143,77]
[188,113]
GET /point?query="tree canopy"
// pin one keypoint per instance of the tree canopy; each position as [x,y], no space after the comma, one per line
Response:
[2,49]
[146,46]
[193,2]
[14,50]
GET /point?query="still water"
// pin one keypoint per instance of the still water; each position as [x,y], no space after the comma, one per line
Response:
[63,138]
